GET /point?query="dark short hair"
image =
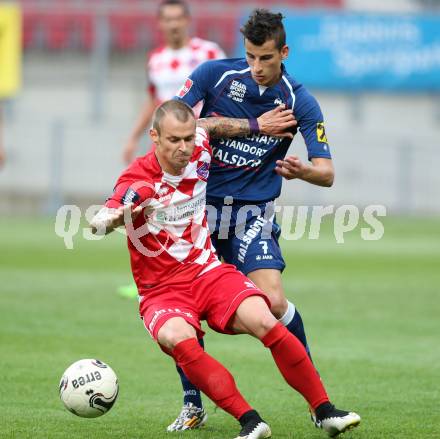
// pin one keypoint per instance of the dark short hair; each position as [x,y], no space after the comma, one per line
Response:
[180,3]
[181,111]
[263,26]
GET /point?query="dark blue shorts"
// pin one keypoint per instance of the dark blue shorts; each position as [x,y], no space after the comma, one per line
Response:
[246,235]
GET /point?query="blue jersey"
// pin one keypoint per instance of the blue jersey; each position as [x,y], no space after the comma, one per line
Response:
[244,167]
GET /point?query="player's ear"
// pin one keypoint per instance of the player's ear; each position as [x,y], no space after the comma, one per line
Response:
[284,52]
[154,135]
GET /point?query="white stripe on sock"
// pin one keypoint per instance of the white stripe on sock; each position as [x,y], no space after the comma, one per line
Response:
[288,315]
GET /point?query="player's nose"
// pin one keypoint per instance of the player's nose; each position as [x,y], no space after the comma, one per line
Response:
[183,147]
[257,66]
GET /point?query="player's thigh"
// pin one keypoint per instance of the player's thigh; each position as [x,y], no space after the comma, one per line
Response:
[269,280]
[175,330]
[253,317]
[219,293]
[169,302]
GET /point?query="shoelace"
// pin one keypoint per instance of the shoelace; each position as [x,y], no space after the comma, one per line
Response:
[183,414]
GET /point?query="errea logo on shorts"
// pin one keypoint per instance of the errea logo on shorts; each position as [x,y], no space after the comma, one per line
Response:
[161,312]
[237,90]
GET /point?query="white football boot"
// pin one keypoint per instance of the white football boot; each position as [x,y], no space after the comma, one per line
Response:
[336,421]
[190,418]
[253,427]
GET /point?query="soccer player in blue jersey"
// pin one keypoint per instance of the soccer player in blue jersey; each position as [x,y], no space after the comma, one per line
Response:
[246,173]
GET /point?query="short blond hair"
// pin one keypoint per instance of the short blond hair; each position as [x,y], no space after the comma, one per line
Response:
[181,111]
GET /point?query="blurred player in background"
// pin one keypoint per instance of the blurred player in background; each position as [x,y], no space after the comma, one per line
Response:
[181,280]
[249,170]
[170,65]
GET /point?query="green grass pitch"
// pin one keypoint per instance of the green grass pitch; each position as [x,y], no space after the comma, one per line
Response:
[371,309]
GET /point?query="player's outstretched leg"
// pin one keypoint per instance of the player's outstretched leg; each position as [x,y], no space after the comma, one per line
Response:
[269,280]
[299,372]
[253,317]
[331,420]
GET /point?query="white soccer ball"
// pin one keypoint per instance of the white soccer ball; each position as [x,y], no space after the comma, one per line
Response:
[89,388]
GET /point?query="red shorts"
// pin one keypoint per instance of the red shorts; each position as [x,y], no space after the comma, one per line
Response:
[214,297]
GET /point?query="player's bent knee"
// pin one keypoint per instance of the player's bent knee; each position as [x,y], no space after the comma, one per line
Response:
[174,331]
[267,322]
[254,317]
[269,281]
[278,303]
[261,325]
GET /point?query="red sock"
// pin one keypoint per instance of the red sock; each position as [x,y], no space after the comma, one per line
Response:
[211,377]
[295,365]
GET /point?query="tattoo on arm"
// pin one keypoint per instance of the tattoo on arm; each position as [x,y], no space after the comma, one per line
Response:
[218,127]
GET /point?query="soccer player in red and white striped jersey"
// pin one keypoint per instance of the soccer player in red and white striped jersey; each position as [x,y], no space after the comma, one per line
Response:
[170,65]
[181,281]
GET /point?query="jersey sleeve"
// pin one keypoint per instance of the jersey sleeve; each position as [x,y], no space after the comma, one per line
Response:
[197,85]
[312,128]
[126,192]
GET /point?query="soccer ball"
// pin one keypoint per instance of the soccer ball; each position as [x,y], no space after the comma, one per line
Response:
[89,388]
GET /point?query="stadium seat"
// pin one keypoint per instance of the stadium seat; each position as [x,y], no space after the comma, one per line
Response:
[84,29]
[123,33]
[56,25]
[63,24]
[221,28]
[30,29]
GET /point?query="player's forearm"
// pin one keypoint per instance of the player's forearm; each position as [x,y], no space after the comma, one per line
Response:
[319,175]
[218,127]
[104,222]
[276,123]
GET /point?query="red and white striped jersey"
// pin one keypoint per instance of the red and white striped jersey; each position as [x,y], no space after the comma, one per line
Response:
[170,238]
[168,68]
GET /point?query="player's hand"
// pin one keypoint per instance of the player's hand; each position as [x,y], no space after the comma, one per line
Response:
[129,151]
[123,212]
[106,220]
[291,167]
[277,122]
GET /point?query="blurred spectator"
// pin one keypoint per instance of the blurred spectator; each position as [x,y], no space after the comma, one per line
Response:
[170,65]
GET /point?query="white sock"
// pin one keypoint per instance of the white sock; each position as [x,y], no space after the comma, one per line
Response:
[288,315]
